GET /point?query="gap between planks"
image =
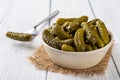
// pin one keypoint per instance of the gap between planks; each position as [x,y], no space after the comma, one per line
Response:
[111,55]
[50,3]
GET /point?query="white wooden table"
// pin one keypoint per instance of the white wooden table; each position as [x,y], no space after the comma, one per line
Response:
[21,15]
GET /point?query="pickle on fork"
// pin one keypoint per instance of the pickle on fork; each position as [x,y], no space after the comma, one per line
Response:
[19,36]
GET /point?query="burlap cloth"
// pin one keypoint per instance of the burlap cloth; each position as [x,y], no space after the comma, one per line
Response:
[42,61]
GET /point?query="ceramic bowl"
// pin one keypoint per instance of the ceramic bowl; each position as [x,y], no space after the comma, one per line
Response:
[77,60]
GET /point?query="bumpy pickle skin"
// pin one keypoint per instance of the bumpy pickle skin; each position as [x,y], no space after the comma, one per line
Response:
[66,41]
[47,36]
[94,47]
[56,43]
[66,24]
[61,21]
[75,24]
[19,36]
[94,28]
[69,48]
[92,36]
[92,22]
[59,32]
[88,47]
[50,40]
[79,40]
[103,31]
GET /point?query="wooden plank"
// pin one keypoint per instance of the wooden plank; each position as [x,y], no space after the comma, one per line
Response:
[71,8]
[109,13]
[116,57]
[23,15]
[4,7]
[76,8]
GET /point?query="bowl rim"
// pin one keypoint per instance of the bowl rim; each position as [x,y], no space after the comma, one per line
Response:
[88,52]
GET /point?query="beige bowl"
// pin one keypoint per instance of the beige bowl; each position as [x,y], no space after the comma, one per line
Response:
[77,60]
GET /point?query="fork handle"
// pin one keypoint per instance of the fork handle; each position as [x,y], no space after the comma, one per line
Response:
[47,18]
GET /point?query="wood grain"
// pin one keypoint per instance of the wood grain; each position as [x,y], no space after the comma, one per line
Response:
[23,15]
[76,8]
[109,13]
[4,8]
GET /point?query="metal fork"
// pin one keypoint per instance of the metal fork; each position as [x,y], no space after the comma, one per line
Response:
[29,34]
[33,30]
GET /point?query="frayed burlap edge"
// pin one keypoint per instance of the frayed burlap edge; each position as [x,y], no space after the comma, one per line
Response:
[42,61]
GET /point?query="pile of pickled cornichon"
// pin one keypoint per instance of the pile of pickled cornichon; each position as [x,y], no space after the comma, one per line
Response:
[77,34]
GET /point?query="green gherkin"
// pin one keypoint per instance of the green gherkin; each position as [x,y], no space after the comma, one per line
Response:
[94,28]
[75,24]
[92,22]
[65,25]
[66,47]
[59,32]
[50,40]
[19,36]
[88,47]
[56,43]
[76,34]
[79,40]
[61,21]
[92,36]
[47,36]
[66,41]
[94,47]
[103,31]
